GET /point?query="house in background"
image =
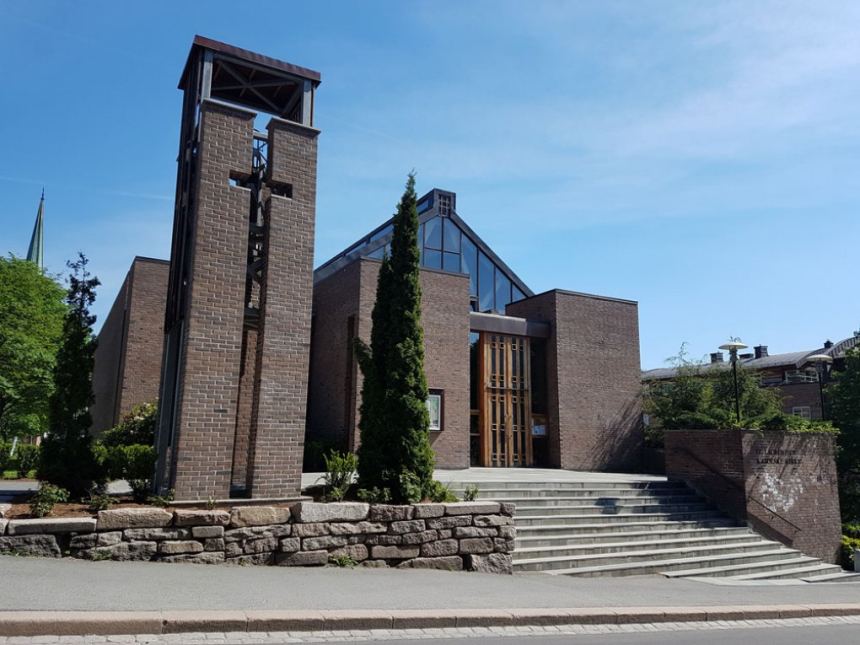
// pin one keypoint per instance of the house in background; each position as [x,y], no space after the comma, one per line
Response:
[127,367]
[793,372]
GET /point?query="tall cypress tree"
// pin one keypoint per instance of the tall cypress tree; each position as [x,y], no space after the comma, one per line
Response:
[67,453]
[395,451]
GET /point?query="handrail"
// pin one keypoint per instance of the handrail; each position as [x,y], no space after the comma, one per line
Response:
[749,498]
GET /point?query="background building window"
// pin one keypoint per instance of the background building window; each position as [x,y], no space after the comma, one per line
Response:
[434,406]
[802,411]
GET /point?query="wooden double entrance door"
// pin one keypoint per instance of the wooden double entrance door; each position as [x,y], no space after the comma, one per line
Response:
[505,402]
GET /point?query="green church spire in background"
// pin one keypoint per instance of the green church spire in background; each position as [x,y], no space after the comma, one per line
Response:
[35,254]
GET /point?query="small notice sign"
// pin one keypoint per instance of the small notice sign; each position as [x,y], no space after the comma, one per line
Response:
[539,430]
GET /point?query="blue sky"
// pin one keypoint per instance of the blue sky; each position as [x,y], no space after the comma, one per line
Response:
[698,157]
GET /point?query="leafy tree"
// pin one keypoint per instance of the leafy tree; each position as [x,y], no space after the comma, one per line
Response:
[31,322]
[68,460]
[395,453]
[137,427]
[843,409]
[702,397]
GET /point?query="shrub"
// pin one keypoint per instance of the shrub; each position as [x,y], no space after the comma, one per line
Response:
[374,495]
[846,551]
[26,459]
[161,501]
[98,503]
[439,492]
[42,502]
[135,464]
[5,459]
[135,428]
[340,472]
[471,493]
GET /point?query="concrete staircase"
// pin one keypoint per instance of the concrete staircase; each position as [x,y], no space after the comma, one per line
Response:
[627,528]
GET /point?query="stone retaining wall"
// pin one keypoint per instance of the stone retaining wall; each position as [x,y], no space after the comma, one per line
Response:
[475,536]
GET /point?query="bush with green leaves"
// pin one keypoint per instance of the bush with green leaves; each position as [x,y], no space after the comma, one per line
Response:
[471,493]
[98,503]
[43,500]
[5,459]
[374,495]
[439,493]
[135,464]
[846,551]
[26,459]
[137,427]
[340,472]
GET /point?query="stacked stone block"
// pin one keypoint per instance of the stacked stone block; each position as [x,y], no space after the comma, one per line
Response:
[474,536]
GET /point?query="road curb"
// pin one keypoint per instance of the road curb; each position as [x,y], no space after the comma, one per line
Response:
[114,623]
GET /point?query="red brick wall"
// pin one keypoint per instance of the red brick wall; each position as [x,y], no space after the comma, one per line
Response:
[593,362]
[799,394]
[283,340]
[127,366]
[212,338]
[445,319]
[333,371]
[145,332]
[107,366]
[712,462]
[784,485]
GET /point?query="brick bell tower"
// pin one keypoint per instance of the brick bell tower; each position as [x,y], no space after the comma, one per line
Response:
[238,319]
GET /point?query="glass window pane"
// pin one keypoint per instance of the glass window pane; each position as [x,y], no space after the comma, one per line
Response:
[384,231]
[451,262]
[451,235]
[377,253]
[517,294]
[469,265]
[433,233]
[503,290]
[486,282]
[433,259]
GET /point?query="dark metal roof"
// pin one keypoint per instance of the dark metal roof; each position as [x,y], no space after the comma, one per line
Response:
[794,360]
[363,247]
[248,56]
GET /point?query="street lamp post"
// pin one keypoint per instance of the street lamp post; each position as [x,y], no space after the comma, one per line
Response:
[821,362]
[733,348]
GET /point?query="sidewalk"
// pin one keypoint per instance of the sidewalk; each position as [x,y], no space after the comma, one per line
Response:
[129,597]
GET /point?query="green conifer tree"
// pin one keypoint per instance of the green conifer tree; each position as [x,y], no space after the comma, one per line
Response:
[67,459]
[395,453]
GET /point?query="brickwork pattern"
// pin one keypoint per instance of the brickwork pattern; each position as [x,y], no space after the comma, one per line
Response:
[283,339]
[333,371]
[145,333]
[212,335]
[107,366]
[335,395]
[127,366]
[594,371]
[784,485]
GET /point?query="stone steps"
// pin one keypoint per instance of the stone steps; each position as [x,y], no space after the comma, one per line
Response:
[567,538]
[627,528]
[628,547]
[745,551]
[555,530]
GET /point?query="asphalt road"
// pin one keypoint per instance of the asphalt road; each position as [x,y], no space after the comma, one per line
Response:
[67,584]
